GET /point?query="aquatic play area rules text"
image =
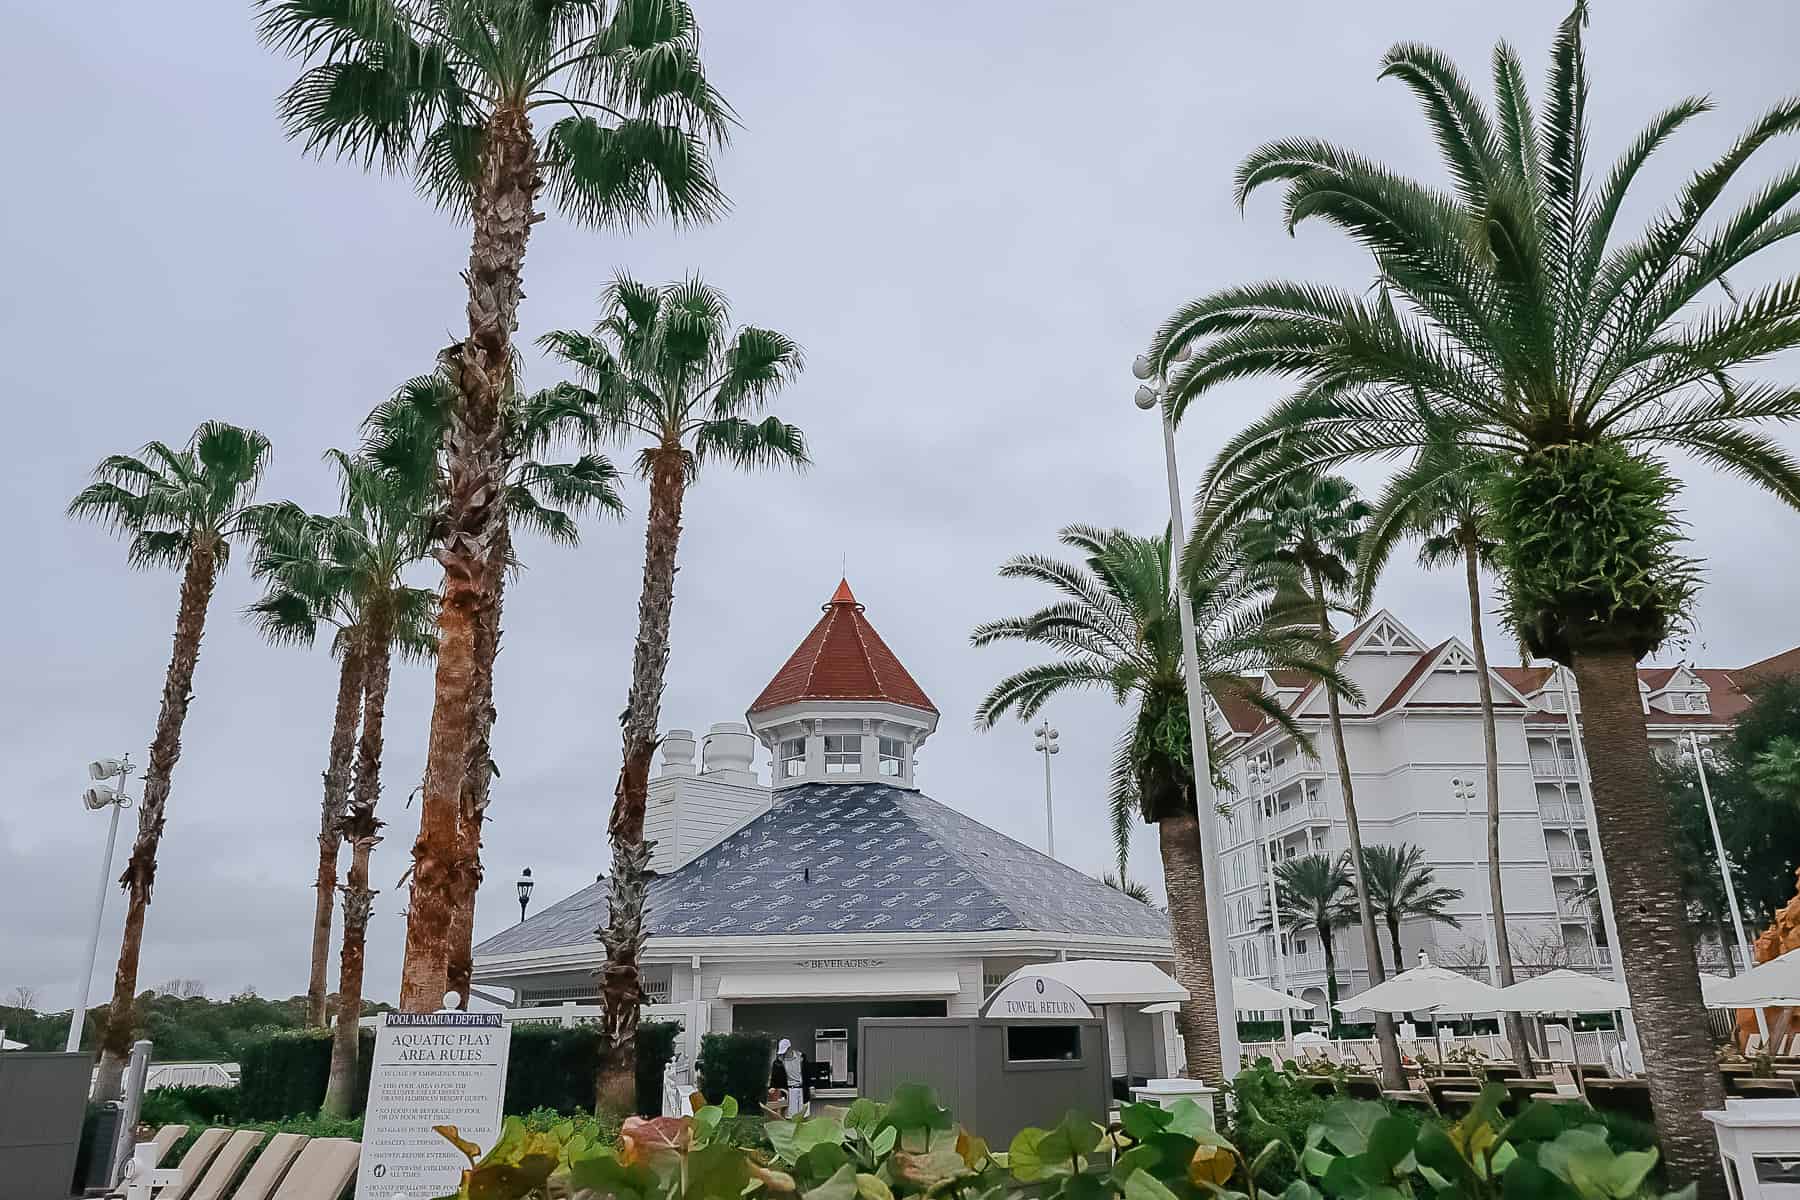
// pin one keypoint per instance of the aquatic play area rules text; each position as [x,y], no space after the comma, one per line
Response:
[446,1068]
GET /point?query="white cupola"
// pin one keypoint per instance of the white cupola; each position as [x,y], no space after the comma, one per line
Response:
[842,709]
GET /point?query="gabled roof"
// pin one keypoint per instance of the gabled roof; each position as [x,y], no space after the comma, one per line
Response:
[1525,680]
[1448,650]
[843,658]
[848,858]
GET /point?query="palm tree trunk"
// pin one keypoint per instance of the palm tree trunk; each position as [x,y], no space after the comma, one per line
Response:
[475,474]
[1384,1024]
[359,829]
[1515,1022]
[477,783]
[1331,985]
[197,581]
[1184,873]
[620,985]
[331,811]
[340,1084]
[1631,817]
[1393,924]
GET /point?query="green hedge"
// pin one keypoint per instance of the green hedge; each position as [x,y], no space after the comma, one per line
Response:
[550,1067]
[736,1065]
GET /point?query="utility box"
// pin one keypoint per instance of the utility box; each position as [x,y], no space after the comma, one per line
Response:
[996,1075]
[1759,1143]
[43,1098]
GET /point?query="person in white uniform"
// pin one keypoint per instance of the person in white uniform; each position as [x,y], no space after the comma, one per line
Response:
[788,1076]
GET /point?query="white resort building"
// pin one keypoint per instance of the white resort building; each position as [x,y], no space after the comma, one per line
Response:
[1419,770]
[840,892]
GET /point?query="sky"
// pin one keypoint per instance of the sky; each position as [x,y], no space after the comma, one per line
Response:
[971,215]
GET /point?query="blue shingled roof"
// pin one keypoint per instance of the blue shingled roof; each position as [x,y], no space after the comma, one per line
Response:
[855,858]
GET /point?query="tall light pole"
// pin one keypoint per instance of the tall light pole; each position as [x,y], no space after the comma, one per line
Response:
[1464,790]
[1731,901]
[101,795]
[1151,397]
[1260,771]
[1046,745]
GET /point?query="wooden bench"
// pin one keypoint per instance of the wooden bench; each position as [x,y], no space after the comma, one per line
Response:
[291,1167]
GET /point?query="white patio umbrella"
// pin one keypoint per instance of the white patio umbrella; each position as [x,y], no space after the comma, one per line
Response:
[1564,991]
[1426,988]
[1776,982]
[1248,995]
[1709,989]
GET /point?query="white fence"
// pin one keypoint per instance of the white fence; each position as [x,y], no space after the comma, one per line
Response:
[1589,1046]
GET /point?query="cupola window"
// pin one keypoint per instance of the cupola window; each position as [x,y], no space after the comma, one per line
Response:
[843,753]
[793,758]
[893,752]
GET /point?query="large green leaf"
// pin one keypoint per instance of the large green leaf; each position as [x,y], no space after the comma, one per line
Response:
[1348,1124]
[1585,1161]
[1145,1186]
[792,1138]
[915,1107]
[841,1186]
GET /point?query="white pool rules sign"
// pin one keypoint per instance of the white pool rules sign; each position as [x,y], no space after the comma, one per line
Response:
[443,1068]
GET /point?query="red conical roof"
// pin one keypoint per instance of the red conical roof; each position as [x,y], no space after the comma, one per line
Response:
[843,658]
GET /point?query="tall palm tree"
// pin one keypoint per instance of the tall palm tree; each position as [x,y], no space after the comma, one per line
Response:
[1315,897]
[1440,499]
[405,435]
[448,91]
[664,366]
[179,508]
[1403,888]
[1315,523]
[1116,626]
[1535,332]
[360,558]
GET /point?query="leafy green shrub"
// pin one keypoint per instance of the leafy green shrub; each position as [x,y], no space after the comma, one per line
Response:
[736,1065]
[284,1075]
[601,1131]
[549,1067]
[1269,1105]
[190,1104]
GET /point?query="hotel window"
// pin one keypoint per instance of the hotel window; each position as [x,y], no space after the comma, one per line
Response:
[843,753]
[893,753]
[793,758]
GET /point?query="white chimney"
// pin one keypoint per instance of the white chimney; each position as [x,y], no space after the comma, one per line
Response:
[678,752]
[728,754]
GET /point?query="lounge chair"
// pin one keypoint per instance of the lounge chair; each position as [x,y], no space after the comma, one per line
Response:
[1751,1087]
[322,1171]
[193,1164]
[165,1139]
[270,1166]
[225,1169]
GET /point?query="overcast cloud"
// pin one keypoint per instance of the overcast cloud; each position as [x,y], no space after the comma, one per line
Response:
[970,214]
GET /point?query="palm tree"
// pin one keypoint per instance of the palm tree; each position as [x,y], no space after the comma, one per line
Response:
[1528,330]
[1115,626]
[1314,894]
[359,560]
[180,508]
[1315,524]
[1440,500]
[447,90]
[545,498]
[1403,888]
[664,365]
[1134,888]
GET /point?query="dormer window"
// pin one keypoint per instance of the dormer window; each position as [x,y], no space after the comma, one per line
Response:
[893,754]
[843,753]
[1696,702]
[793,758]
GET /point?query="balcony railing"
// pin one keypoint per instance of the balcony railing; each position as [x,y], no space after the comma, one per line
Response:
[1564,860]
[1591,956]
[1306,812]
[1310,963]
[1572,813]
[1544,767]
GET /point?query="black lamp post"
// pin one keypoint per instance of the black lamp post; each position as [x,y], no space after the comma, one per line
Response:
[525,886]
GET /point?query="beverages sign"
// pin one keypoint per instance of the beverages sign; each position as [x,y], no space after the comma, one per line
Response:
[1035,998]
[443,1068]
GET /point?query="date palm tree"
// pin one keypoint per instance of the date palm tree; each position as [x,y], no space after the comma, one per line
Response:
[663,366]
[1403,888]
[451,92]
[179,508]
[545,498]
[1440,500]
[358,562]
[1315,523]
[1115,626]
[1527,325]
[1314,892]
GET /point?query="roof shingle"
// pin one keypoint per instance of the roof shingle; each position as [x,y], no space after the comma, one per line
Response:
[843,658]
